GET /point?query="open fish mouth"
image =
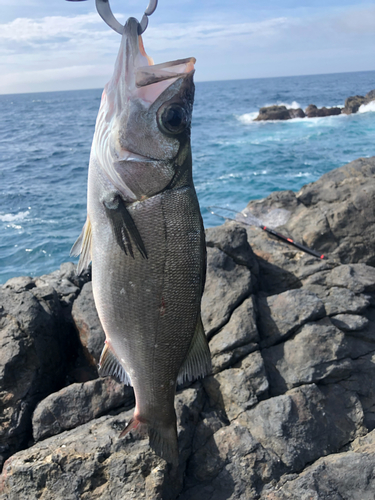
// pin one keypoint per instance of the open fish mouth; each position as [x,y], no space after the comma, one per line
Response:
[135,73]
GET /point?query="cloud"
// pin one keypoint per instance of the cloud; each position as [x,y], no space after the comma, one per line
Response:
[61,52]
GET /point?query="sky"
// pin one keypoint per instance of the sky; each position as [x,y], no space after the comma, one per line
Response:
[61,45]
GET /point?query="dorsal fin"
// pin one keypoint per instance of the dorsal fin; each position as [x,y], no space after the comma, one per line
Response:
[82,247]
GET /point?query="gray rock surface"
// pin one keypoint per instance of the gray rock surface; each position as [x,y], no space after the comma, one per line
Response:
[273,113]
[312,111]
[77,404]
[37,343]
[334,216]
[279,113]
[87,322]
[352,104]
[289,410]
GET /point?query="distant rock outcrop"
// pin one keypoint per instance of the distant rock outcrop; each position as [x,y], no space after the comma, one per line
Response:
[352,104]
[312,111]
[280,112]
[289,410]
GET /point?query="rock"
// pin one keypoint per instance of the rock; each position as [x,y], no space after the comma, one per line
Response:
[312,111]
[87,322]
[352,104]
[279,113]
[361,380]
[36,343]
[239,388]
[347,476]
[77,404]
[296,113]
[323,419]
[281,315]
[333,215]
[273,113]
[369,97]
[349,322]
[220,297]
[318,351]
[340,300]
[231,464]
[231,238]
[91,462]
[289,410]
[237,338]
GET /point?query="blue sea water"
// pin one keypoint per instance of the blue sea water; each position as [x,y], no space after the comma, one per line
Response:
[45,142]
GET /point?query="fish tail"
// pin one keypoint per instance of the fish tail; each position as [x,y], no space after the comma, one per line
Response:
[163,440]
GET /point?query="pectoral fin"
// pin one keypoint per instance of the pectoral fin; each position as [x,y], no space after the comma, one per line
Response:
[198,360]
[109,365]
[82,247]
[124,228]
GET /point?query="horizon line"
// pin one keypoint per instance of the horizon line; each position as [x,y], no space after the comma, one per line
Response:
[203,81]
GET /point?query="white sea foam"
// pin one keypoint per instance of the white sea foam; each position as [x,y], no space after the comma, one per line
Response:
[293,105]
[302,174]
[247,117]
[14,217]
[365,108]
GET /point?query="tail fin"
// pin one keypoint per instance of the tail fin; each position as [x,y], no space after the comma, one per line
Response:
[163,439]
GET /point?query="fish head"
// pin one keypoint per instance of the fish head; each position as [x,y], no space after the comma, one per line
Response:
[142,133]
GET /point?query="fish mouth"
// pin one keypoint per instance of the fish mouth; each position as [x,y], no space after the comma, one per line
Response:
[136,75]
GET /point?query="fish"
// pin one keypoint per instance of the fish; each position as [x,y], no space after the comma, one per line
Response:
[145,238]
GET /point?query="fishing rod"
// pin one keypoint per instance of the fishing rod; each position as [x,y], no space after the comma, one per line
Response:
[257,223]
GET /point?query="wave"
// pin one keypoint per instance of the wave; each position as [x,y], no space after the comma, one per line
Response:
[14,217]
[293,105]
[247,117]
[365,108]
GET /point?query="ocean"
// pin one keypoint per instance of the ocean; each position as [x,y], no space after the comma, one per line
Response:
[45,141]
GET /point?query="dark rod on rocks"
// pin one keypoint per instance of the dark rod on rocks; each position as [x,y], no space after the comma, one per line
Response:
[257,223]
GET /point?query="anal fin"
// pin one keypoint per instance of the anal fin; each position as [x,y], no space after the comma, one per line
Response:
[124,227]
[109,365]
[198,360]
[82,247]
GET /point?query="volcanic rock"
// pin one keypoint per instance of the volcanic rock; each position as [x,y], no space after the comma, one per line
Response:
[369,97]
[352,104]
[289,410]
[312,111]
[87,322]
[273,113]
[279,113]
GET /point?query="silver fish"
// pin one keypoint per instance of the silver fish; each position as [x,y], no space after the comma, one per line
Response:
[145,236]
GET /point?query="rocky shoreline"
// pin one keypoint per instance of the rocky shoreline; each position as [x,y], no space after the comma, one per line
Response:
[352,105]
[289,411]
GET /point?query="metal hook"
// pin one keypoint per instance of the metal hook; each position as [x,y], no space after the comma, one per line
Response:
[104,10]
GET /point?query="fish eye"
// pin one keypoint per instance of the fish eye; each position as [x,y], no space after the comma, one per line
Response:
[173,118]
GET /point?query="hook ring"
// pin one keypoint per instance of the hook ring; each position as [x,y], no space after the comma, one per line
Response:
[105,12]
